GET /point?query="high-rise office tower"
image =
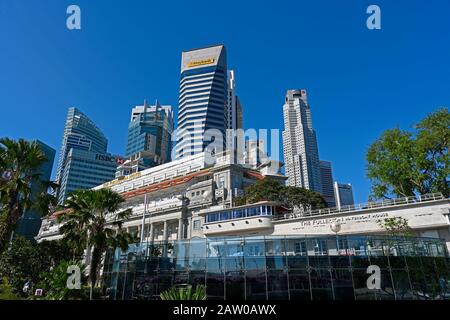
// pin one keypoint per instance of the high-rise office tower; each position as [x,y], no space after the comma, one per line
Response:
[30,222]
[235,137]
[83,160]
[301,155]
[149,140]
[202,101]
[344,194]
[326,176]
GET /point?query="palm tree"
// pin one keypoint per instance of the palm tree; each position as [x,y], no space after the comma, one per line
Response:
[93,220]
[19,164]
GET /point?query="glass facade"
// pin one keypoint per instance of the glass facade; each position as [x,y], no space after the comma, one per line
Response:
[286,268]
[151,130]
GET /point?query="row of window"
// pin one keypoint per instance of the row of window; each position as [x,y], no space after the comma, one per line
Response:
[239,213]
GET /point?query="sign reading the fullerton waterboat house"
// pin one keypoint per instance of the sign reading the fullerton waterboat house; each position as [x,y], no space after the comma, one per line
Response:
[352,219]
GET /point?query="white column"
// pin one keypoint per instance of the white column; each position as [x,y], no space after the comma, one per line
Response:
[165,235]
[152,232]
[189,228]
[180,229]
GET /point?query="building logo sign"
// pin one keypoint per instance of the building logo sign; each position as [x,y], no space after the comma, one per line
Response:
[201,62]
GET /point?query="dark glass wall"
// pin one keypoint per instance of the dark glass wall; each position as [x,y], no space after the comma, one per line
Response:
[287,268]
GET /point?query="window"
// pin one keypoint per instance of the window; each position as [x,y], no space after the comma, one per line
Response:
[300,248]
[196,225]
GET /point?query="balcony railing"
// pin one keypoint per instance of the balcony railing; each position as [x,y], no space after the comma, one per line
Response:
[364,206]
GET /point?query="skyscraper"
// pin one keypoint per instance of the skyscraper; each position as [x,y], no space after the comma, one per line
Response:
[149,140]
[344,194]
[30,222]
[235,121]
[202,100]
[301,155]
[326,176]
[83,160]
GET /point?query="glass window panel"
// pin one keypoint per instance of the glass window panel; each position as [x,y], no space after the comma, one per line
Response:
[340,261]
[234,263]
[360,285]
[277,286]
[165,281]
[255,263]
[396,262]
[418,283]
[235,286]
[276,262]
[321,284]
[180,278]
[275,247]
[343,284]
[215,285]
[319,261]
[255,285]
[146,285]
[297,262]
[181,249]
[402,285]
[383,261]
[215,265]
[359,261]
[197,278]
[386,292]
[181,264]
[299,288]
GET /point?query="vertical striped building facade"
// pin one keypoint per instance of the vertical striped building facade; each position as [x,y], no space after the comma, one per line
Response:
[202,101]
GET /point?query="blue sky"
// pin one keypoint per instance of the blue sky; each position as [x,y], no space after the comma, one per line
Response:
[360,82]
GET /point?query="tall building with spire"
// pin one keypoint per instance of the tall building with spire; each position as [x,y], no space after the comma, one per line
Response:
[202,101]
[234,138]
[301,155]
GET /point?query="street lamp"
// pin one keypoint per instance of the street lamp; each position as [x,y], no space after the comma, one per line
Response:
[336,227]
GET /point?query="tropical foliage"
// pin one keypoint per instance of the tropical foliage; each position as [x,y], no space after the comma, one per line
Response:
[25,261]
[271,190]
[184,293]
[85,225]
[19,164]
[54,283]
[396,226]
[402,163]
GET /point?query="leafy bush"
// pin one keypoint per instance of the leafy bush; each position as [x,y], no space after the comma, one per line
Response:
[184,293]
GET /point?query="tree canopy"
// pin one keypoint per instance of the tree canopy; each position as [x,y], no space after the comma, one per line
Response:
[272,190]
[19,166]
[402,163]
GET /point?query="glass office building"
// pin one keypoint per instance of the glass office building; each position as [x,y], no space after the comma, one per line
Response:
[83,160]
[150,134]
[203,100]
[288,268]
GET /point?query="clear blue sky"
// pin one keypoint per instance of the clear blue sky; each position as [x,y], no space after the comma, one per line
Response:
[359,82]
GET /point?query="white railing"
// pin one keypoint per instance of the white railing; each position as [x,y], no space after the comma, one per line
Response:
[364,206]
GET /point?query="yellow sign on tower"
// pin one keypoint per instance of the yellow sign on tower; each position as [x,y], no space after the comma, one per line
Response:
[196,63]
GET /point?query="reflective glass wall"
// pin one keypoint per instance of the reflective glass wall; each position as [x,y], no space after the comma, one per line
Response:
[289,268]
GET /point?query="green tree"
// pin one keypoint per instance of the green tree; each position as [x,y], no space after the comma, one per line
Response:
[403,164]
[21,160]
[26,261]
[184,293]
[85,224]
[396,227]
[272,190]
[54,283]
